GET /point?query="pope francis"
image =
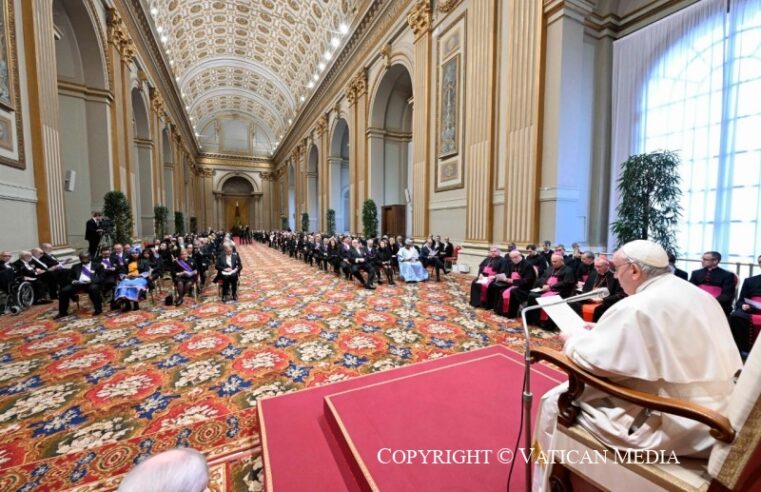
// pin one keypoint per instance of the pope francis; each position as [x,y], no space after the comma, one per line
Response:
[668,338]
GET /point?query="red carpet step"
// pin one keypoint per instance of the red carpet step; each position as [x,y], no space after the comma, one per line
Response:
[346,436]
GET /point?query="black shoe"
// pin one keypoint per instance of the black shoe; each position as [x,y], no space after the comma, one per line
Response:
[135,306]
[97,312]
[179,301]
[370,287]
[113,306]
[60,315]
[75,298]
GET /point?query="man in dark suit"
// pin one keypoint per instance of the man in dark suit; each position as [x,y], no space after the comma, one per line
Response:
[715,280]
[7,273]
[93,233]
[33,273]
[359,262]
[53,274]
[84,277]
[672,264]
[229,267]
[601,276]
[740,320]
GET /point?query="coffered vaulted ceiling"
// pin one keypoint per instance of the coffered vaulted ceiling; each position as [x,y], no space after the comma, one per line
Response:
[251,58]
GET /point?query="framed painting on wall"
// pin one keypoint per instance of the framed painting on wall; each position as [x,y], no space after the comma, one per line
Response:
[448,112]
[11,130]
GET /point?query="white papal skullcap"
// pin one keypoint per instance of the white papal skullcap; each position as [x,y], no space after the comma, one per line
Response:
[647,253]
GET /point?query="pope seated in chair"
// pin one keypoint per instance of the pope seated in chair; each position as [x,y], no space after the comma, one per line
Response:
[667,338]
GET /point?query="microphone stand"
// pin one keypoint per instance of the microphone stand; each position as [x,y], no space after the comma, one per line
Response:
[528,397]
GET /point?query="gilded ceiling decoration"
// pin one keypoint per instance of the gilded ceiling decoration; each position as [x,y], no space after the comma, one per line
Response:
[260,58]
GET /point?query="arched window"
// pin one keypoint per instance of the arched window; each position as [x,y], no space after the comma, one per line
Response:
[702,98]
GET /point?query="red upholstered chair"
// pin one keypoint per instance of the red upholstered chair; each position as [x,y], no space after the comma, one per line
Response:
[588,310]
[755,323]
[734,462]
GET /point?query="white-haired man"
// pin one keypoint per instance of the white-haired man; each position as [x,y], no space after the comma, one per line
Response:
[667,338]
[176,470]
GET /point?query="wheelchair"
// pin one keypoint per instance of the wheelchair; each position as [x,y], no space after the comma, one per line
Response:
[20,296]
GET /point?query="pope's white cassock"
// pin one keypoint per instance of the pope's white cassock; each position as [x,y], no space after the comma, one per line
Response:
[669,339]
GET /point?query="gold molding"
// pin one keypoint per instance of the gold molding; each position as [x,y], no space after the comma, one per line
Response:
[419,18]
[119,36]
[446,6]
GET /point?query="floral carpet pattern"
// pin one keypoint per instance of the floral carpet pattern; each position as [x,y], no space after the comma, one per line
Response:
[85,398]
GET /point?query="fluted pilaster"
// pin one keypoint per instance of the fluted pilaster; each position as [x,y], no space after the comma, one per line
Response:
[480,121]
[524,85]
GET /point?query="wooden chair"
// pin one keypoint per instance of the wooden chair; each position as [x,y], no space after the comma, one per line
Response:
[734,462]
[449,260]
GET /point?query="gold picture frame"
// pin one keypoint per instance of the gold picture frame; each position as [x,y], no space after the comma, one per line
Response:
[11,129]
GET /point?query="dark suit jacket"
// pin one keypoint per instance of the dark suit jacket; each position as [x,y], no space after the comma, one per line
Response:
[497,264]
[751,287]
[235,262]
[566,282]
[22,270]
[91,230]
[526,271]
[96,268]
[680,273]
[609,280]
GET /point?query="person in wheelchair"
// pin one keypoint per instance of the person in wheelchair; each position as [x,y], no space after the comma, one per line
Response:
[229,267]
[32,273]
[84,277]
[7,273]
[134,283]
[185,275]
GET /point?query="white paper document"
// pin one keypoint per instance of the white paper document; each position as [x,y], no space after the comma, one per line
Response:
[564,317]
[501,277]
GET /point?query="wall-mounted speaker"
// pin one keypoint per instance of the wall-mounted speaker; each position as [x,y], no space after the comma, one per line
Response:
[70,180]
[407,195]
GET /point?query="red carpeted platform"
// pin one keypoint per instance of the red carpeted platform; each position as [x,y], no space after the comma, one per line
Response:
[328,437]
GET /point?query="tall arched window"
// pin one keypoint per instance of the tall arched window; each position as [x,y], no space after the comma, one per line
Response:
[701,96]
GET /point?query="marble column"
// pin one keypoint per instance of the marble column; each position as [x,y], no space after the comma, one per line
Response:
[565,165]
[40,55]
[322,171]
[521,185]
[480,121]
[419,20]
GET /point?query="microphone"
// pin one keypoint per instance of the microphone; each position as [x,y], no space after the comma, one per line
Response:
[600,293]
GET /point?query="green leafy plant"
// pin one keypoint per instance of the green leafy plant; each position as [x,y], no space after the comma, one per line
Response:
[193,225]
[370,218]
[649,192]
[116,207]
[179,223]
[283,222]
[161,216]
[331,221]
[304,222]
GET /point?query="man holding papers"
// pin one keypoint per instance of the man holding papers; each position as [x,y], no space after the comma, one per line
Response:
[745,320]
[229,268]
[666,338]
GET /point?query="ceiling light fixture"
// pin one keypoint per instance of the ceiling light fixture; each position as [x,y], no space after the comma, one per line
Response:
[159,29]
[154,11]
[335,42]
[302,98]
[290,121]
[327,55]
[343,28]
[310,84]
[321,66]
[164,39]
[315,77]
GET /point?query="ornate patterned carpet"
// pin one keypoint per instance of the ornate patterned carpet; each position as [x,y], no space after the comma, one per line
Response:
[81,400]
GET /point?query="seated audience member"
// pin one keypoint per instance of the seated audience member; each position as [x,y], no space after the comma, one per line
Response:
[360,262]
[229,267]
[55,268]
[585,266]
[601,276]
[410,268]
[536,259]
[745,320]
[48,272]
[7,273]
[676,271]
[521,276]
[547,251]
[133,283]
[383,261]
[33,274]
[185,274]
[429,256]
[663,339]
[84,277]
[334,258]
[176,470]
[345,254]
[152,264]
[110,275]
[445,248]
[715,280]
[487,271]
[118,258]
[557,280]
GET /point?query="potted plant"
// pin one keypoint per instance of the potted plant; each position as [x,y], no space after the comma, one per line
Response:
[649,196]
[331,221]
[370,218]
[304,222]
[116,207]
[179,223]
[161,215]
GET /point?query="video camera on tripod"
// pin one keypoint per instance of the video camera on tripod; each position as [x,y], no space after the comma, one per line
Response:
[106,227]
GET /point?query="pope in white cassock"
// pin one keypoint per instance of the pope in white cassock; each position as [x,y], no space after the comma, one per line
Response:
[667,338]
